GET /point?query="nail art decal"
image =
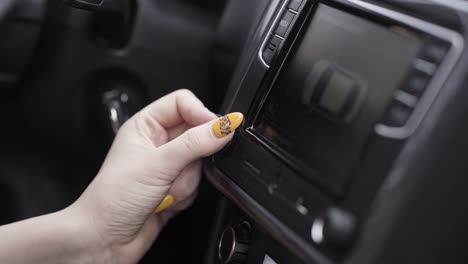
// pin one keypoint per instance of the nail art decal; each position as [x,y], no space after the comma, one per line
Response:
[227,124]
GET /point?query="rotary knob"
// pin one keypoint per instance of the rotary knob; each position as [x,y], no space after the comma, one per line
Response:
[234,244]
[335,227]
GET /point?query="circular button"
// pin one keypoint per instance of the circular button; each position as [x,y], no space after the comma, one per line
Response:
[234,244]
[335,227]
[227,245]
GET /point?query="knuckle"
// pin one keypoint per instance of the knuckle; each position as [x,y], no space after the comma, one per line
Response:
[157,173]
[187,201]
[149,129]
[161,178]
[184,93]
[186,188]
[191,141]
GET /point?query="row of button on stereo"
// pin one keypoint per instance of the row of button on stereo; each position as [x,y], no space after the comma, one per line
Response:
[275,187]
[270,51]
[281,29]
[335,227]
[406,98]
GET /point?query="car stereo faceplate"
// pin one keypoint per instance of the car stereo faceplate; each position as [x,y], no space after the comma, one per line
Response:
[334,91]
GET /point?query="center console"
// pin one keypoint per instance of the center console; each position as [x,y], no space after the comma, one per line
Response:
[334,91]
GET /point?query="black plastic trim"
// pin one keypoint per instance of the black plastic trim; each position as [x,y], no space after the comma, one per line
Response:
[269,222]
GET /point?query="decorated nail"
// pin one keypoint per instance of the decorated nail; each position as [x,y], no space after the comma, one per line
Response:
[166,202]
[225,125]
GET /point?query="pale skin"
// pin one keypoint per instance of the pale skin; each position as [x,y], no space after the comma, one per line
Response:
[155,153]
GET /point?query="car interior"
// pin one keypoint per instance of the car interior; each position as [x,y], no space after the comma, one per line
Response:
[353,148]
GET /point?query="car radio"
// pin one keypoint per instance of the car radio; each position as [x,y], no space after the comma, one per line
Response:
[334,91]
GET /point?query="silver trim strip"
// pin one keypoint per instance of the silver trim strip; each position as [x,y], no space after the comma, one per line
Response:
[269,34]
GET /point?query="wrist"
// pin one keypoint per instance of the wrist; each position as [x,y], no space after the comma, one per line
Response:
[81,234]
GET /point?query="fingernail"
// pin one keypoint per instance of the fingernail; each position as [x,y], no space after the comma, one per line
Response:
[166,202]
[226,124]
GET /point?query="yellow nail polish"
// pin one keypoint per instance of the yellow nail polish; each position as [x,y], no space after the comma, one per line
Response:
[226,124]
[166,202]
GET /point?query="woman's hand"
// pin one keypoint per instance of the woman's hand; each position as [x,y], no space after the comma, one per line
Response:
[157,152]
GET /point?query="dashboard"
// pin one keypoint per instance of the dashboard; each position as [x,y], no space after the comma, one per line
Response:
[341,99]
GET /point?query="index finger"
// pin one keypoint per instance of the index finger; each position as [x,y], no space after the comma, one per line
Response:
[178,107]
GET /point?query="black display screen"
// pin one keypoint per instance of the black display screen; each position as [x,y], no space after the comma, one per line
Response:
[331,91]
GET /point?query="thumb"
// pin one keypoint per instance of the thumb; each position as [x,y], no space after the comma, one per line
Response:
[199,142]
